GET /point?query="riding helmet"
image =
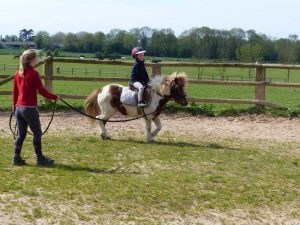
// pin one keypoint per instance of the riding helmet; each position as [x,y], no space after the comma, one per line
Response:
[137,50]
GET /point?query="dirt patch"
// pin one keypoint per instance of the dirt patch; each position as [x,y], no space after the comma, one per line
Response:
[243,127]
[252,128]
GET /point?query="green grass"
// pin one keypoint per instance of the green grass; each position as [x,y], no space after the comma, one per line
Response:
[286,97]
[94,180]
[10,52]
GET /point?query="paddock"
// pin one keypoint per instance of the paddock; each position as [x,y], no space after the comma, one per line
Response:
[210,170]
[242,170]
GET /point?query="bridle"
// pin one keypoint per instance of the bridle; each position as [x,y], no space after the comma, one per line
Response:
[15,132]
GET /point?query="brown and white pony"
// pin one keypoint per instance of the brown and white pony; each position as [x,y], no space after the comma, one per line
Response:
[104,103]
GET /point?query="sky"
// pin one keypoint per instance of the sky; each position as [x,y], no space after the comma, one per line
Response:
[275,18]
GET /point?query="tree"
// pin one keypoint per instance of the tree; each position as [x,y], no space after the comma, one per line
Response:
[184,47]
[26,35]
[269,51]
[85,42]
[71,42]
[250,53]
[236,38]
[197,42]
[58,39]
[288,50]
[142,36]
[119,41]
[163,43]
[202,42]
[43,40]
[11,38]
[99,38]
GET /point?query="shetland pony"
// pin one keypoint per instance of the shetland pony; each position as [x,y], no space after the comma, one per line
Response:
[104,103]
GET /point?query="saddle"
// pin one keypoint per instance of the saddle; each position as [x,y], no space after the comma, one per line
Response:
[129,95]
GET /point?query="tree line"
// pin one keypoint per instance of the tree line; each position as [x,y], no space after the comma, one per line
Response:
[201,43]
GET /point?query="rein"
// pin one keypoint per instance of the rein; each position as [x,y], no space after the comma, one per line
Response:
[115,121]
[15,133]
[112,121]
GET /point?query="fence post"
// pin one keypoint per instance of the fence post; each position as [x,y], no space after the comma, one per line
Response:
[260,90]
[156,69]
[249,73]
[48,71]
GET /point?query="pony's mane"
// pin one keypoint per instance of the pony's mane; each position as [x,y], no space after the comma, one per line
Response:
[162,84]
[180,76]
[156,82]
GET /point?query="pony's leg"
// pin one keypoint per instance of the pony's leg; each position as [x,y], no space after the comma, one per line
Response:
[158,126]
[102,116]
[103,131]
[148,131]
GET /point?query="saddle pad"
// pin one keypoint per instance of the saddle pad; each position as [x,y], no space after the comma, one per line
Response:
[128,97]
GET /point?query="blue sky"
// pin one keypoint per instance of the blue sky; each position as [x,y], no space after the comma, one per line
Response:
[275,18]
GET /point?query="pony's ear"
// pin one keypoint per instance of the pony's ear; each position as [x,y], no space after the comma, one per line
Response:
[179,81]
[176,80]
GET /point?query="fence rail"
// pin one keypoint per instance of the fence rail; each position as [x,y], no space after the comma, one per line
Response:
[260,82]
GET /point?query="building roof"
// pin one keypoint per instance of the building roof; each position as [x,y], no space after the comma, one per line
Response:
[17,43]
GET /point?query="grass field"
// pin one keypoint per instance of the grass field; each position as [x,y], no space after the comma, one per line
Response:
[179,179]
[129,181]
[286,97]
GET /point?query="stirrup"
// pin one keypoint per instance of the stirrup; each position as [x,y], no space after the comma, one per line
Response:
[141,104]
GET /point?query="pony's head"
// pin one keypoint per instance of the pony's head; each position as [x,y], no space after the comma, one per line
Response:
[177,83]
[171,86]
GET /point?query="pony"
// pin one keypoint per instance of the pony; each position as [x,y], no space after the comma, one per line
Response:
[104,103]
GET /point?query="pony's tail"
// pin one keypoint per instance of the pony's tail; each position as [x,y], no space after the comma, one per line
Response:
[91,106]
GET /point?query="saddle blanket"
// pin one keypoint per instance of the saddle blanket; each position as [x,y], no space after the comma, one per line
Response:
[128,97]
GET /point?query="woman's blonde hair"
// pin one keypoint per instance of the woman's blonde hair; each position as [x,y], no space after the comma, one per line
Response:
[25,60]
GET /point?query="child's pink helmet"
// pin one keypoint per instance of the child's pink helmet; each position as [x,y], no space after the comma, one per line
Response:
[137,50]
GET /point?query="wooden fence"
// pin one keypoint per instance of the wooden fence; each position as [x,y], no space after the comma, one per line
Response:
[259,83]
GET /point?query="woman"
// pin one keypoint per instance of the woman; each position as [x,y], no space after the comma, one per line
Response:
[26,84]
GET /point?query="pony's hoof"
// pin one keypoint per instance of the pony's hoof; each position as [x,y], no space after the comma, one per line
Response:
[104,137]
[150,141]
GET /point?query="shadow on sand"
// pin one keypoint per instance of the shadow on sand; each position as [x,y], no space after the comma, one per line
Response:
[180,144]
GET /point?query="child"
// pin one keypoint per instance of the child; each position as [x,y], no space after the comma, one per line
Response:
[139,76]
[26,83]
